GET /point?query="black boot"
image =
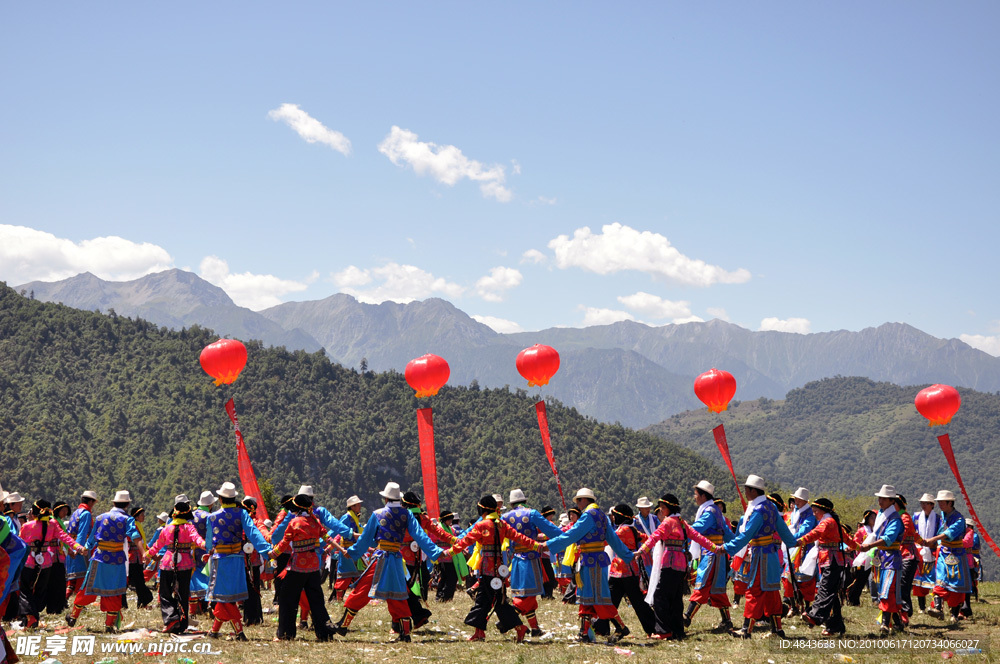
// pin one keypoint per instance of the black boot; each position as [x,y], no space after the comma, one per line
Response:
[746,632]
[936,611]
[726,624]
[689,613]
[776,627]
[922,604]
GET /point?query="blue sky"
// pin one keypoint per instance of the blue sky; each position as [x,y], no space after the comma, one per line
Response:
[793,166]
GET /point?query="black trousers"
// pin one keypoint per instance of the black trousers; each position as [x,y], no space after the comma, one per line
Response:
[549,584]
[490,601]
[826,607]
[909,572]
[858,583]
[292,587]
[279,565]
[628,586]
[55,601]
[143,595]
[253,613]
[668,602]
[447,582]
[175,593]
[33,595]
[418,612]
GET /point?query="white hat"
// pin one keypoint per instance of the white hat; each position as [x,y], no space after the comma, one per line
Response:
[354,500]
[391,491]
[89,494]
[643,502]
[517,496]
[926,498]
[306,490]
[801,493]
[887,491]
[706,486]
[585,493]
[206,499]
[3,496]
[14,498]
[944,494]
[497,497]
[227,490]
[182,498]
[163,516]
[268,523]
[122,497]
[563,519]
[755,482]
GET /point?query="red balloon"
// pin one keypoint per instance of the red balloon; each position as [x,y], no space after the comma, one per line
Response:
[715,389]
[538,364]
[427,374]
[938,403]
[223,360]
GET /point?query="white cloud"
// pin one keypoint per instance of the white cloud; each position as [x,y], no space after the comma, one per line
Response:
[533,256]
[988,344]
[444,163]
[500,279]
[688,319]
[655,307]
[254,291]
[794,325]
[395,282]
[718,312]
[546,201]
[309,128]
[597,316]
[501,325]
[620,247]
[27,254]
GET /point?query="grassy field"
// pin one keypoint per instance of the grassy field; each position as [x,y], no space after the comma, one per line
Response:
[444,640]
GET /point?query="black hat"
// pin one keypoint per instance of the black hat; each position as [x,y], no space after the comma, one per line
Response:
[446,515]
[302,501]
[670,500]
[901,500]
[777,500]
[868,513]
[59,505]
[721,505]
[286,501]
[411,499]
[573,510]
[824,504]
[547,510]
[622,513]
[136,511]
[487,503]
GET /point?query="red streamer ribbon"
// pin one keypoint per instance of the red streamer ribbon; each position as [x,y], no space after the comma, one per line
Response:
[723,444]
[543,427]
[247,476]
[945,442]
[428,463]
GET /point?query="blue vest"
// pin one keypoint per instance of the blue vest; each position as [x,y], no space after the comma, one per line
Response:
[227,526]
[392,523]
[110,528]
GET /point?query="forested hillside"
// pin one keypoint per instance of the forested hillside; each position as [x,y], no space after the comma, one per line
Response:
[89,401]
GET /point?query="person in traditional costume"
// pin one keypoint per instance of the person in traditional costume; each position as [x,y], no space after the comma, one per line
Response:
[647,522]
[831,540]
[417,571]
[347,569]
[761,531]
[975,564]
[713,568]
[623,577]
[55,602]
[106,576]
[566,573]
[526,575]
[447,572]
[176,543]
[926,523]
[910,559]
[303,538]
[669,576]
[802,561]
[887,538]
[8,655]
[861,566]
[152,568]
[281,521]
[41,535]
[971,544]
[227,580]
[385,576]
[591,533]
[548,560]
[253,612]
[488,535]
[12,504]
[136,579]
[199,575]
[951,577]
[17,552]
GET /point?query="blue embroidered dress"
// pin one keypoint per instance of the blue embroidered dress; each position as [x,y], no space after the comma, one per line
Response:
[226,528]
[106,574]
[592,532]
[526,569]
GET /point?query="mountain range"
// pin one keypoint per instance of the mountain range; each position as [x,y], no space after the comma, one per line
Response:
[626,372]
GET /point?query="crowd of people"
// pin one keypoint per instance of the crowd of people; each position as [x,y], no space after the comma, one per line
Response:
[213,556]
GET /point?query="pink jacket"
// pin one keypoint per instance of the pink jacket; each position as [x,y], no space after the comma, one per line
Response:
[188,540]
[31,533]
[674,532]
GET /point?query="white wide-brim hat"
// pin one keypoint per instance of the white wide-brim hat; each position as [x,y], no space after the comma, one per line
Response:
[354,500]
[755,482]
[122,497]
[206,499]
[887,491]
[517,496]
[706,486]
[643,502]
[163,516]
[801,493]
[391,491]
[497,497]
[944,494]
[585,493]
[227,490]
[926,498]
[306,490]
[89,494]
[181,498]
[14,498]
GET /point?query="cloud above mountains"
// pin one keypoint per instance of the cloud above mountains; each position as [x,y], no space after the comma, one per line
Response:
[310,129]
